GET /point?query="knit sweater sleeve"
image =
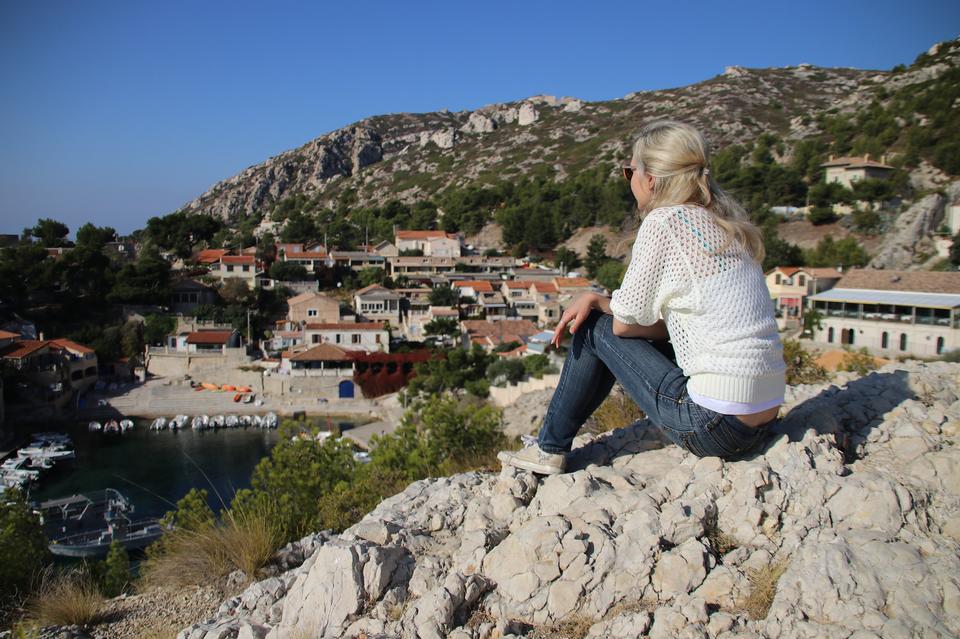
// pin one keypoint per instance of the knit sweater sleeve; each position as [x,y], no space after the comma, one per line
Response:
[649,278]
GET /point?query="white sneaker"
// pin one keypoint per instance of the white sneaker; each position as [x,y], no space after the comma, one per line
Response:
[532,458]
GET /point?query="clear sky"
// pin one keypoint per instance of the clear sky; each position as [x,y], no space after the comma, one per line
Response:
[113,112]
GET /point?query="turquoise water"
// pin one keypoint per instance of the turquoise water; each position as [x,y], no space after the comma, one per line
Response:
[155,469]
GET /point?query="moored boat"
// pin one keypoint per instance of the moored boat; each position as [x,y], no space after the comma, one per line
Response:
[160,423]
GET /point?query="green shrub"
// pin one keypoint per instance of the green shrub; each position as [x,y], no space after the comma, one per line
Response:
[819,215]
[801,367]
[23,546]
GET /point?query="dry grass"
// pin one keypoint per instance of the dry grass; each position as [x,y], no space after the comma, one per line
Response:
[574,626]
[243,541]
[66,599]
[763,588]
[616,411]
[721,542]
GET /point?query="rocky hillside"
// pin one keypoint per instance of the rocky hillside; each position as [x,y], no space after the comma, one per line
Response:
[846,525]
[408,156]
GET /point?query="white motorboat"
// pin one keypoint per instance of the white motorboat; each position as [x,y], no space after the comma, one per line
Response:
[218,421]
[232,421]
[180,421]
[256,421]
[95,427]
[50,451]
[245,420]
[125,425]
[200,422]
[270,420]
[160,423]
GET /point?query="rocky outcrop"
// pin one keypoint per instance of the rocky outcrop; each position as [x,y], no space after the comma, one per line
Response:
[909,243]
[848,521]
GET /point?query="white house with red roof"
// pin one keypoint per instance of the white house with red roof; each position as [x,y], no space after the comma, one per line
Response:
[377,303]
[848,170]
[205,341]
[790,286]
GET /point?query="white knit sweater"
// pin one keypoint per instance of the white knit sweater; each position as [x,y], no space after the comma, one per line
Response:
[716,307]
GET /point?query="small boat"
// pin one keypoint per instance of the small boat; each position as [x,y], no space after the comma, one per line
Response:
[200,422]
[95,427]
[228,387]
[248,399]
[232,421]
[246,420]
[237,397]
[244,389]
[199,388]
[209,386]
[217,421]
[125,425]
[96,543]
[180,421]
[50,451]
[160,423]
[112,426]
[270,420]
[256,421]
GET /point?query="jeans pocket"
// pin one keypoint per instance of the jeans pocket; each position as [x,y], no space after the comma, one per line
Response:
[732,437]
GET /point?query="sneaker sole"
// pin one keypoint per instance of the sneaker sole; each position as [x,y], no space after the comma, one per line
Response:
[542,469]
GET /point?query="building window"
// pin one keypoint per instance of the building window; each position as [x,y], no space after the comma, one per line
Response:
[885,340]
[245,268]
[229,268]
[940,345]
[355,338]
[338,338]
[316,339]
[312,312]
[777,278]
[830,335]
[802,280]
[903,341]
[378,338]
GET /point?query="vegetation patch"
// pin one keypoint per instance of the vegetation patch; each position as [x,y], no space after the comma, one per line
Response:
[763,588]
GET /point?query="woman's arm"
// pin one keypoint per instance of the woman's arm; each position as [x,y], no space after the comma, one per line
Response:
[579,310]
[657,330]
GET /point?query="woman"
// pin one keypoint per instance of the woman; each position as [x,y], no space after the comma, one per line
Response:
[694,277]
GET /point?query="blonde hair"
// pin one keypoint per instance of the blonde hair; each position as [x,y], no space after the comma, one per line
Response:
[677,156]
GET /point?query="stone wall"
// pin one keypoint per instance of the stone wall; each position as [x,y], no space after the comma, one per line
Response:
[509,394]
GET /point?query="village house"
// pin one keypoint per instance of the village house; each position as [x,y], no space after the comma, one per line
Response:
[210,257]
[242,267]
[210,341]
[322,360]
[313,259]
[186,295]
[376,303]
[547,298]
[386,249]
[913,313]
[431,243]
[420,268]
[362,336]
[311,307]
[358,260]
[489,334]
[789,287]
[849,170]
[47,371]
[485,264]
[414,329]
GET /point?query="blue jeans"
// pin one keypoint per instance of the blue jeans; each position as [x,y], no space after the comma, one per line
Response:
[597,358]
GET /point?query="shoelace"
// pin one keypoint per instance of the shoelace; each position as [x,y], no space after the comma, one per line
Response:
[528,440]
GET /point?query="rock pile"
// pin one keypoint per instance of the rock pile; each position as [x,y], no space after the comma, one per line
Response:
[846,525]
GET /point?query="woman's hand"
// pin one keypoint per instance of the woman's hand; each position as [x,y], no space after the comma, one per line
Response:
[577,312]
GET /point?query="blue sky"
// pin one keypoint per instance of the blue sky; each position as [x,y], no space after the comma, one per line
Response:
[113,112]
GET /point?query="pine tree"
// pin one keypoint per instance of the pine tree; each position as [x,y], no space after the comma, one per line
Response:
[116,574]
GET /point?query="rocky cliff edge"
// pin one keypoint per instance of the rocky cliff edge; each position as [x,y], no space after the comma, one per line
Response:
[849,519]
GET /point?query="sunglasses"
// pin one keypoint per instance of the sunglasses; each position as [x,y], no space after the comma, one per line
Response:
[628,172]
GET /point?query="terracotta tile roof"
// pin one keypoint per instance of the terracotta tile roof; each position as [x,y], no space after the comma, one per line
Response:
[211,256]
[8,335]
[346,326]
[571,281]
[852,162]
[524,284]
[19,350]
[304,255]
[786,270]
[372,287]
[544,287]
[424,235]
[209,337]
[309,295]
[477,285]
[238,259]
[71,346]
[321,353]
[483,328]
[914,281]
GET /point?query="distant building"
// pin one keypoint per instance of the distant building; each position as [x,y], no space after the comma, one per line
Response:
[849,170]
[376,303]
[362,336]
[914,313]
[432,243]
[205,341]
[789,287]
[186,295]
[242,267]
[491,334]
[312,307]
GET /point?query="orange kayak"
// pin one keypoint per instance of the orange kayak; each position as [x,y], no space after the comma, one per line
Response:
[228,387]
[237,397]
[244,389]
[210,386]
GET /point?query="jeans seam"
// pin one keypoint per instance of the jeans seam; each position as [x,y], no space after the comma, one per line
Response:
[628,364]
